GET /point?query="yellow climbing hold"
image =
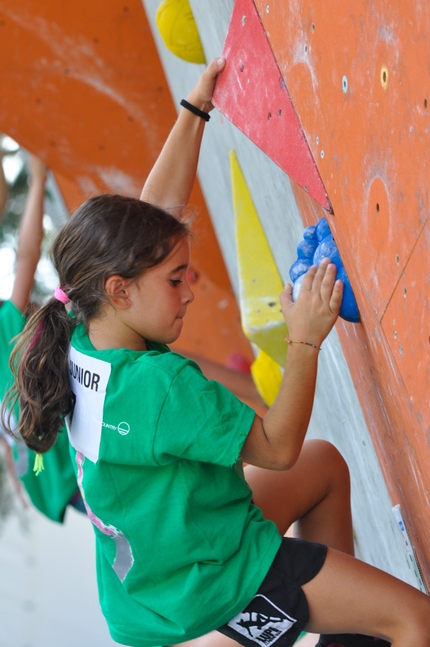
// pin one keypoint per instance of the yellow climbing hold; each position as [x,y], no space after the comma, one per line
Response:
[178,29]
[259,280]
[267,377]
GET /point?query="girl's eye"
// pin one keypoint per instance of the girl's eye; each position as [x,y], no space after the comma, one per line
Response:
[175,282]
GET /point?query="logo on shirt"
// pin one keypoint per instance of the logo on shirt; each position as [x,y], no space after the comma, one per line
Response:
[262,621]
[123,428]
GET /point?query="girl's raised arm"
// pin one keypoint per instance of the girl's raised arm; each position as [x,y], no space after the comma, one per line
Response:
[171,180]
[30,235]
[3,187]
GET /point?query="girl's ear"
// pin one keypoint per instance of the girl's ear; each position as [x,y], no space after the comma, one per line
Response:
[116,288]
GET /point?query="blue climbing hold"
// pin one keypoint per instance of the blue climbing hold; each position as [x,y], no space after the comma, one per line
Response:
[348,308]
[318,243]
[322,229]
[327,248]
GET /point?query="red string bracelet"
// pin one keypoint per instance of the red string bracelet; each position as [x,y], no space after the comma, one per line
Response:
[305,343]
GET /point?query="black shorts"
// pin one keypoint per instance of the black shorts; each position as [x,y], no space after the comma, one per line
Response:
[279,610]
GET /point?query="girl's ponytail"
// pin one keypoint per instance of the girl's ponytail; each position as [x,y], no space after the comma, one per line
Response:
[39,364]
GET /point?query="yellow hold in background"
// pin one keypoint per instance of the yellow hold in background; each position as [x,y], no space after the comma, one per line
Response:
[267,377]
[259,280]
[178,29]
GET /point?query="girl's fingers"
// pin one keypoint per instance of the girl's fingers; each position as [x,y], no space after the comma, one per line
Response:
[317,307]
[327,282]
[215,66]
[331,290]
[314,276]
[320,275]
[208,77]
[336,297]
[321,281]
[286,296]
[218,64]
[309,277]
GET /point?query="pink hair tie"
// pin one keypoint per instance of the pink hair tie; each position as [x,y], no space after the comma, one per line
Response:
[60,295]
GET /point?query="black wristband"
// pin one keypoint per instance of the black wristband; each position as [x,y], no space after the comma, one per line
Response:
[200,113]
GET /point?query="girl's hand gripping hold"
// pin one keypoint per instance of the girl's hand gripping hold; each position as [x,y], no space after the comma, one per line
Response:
[201,95]
[313,315]
[275,442]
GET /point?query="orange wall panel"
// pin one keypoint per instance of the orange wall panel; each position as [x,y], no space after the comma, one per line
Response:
[406,326]
[82,86]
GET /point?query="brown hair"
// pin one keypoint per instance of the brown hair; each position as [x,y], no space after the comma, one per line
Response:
[108,234]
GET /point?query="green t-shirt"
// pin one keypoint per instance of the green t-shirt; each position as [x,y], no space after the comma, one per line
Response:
[51,491]
[180,547]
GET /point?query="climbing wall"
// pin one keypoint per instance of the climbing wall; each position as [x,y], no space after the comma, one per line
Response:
[343,90]
[363,108]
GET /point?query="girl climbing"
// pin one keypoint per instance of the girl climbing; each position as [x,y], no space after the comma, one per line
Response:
[184,543]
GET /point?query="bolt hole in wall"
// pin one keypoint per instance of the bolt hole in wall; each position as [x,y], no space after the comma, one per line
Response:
[425,104]
[345,84]
[384,76]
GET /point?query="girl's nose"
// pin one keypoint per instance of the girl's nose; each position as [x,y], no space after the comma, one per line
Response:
[188,294]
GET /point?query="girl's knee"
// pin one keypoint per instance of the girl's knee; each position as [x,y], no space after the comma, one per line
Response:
[329,455]
[411,626]
[421,620]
